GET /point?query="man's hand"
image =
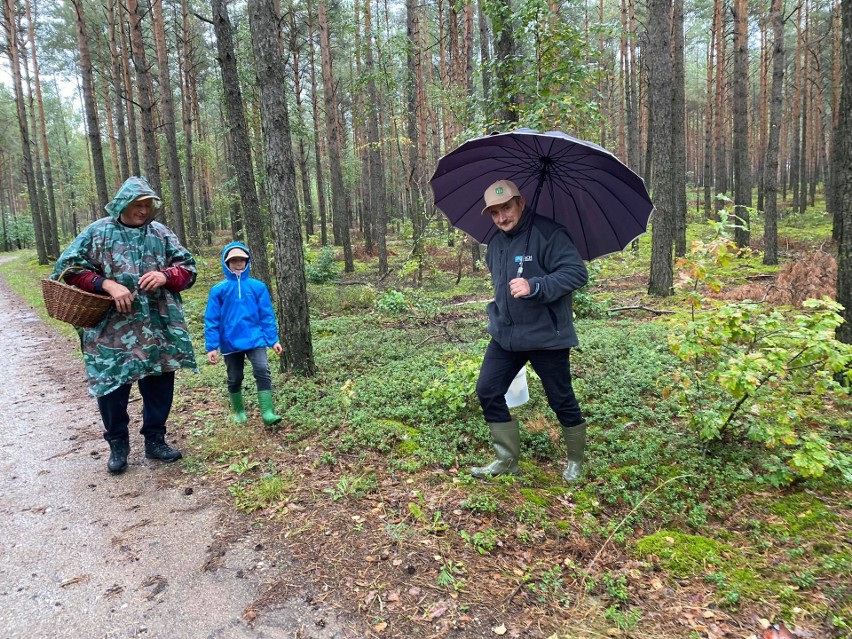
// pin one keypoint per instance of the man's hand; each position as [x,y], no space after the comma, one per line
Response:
[152,280]
[211,357]
[278,348]
[121,295]
[519,287]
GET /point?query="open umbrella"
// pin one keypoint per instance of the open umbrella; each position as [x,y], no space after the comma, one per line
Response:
[580,185]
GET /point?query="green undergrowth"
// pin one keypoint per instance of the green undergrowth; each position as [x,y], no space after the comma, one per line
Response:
[394,401]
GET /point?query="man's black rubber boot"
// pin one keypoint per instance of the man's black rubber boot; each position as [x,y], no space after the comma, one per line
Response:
[118,451]
[157,448]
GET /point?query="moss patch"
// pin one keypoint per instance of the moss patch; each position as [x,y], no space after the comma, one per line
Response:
[684,555]
[801,514]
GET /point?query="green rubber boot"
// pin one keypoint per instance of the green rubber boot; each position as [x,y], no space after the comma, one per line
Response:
[575,442]
[264,398]
[238,410]
[506,437]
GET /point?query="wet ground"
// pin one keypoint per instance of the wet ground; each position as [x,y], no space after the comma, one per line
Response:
[85,554]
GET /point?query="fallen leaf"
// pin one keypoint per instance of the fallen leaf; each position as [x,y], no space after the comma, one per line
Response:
[499,630]
[414,591]
[380,627]
[656,584]
[437,610]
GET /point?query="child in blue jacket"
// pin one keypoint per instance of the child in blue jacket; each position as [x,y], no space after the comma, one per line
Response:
[239,323]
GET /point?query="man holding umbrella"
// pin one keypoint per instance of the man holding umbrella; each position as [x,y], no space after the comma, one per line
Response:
[585,204]
[535,268]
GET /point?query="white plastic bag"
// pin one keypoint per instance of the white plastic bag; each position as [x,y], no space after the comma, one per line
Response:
[518,393]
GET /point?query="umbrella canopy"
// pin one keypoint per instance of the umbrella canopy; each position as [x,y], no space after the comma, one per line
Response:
[582,186]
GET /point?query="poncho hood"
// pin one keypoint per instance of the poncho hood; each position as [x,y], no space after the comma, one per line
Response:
[133,188]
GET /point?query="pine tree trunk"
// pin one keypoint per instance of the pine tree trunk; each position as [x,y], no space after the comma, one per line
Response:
[660,82]
[484,52]
[679,129]
[51,235]
[186,68]
[339,199]
[318,156]
[720,173]
[708,125]
[378,196]
[117,83]
[26,149]
[843,183]
[90,106]
[127,80]
[167,114]
[770,179]
[240,146]
[504,51]
[304,170]
[146,100]
[742,163]
[292,294]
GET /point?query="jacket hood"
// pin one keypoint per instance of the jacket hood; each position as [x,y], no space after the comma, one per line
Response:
[227,272]
[133,188]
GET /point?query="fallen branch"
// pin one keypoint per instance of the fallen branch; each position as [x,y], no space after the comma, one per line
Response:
[655,311]
[761,276]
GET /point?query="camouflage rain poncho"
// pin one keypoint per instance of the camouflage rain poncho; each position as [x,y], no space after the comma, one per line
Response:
[153,339]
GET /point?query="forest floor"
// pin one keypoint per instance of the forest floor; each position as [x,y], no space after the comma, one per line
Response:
[342,518]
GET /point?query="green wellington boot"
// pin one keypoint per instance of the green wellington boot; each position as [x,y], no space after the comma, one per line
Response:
[238,410]
[575,442]
[264,398]
[506,437]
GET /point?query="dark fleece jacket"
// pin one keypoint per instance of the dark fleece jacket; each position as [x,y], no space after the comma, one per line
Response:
[542,320]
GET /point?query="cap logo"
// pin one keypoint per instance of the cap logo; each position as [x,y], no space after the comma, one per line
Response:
[499,190]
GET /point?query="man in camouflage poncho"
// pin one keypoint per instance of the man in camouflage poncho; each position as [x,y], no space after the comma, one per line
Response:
[142,265]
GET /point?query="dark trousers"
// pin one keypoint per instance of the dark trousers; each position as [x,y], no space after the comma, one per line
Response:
[157,393]
[499,368]
[235,363]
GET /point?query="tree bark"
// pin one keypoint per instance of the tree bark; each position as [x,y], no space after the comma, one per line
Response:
[321,202]
[504,52]
[146,101]
[167,114]
[304,170]
[187,61]
[117,84]
[240,147]
[843,156]
[742,162]
[776,109]
[127,80]
[90,106]
[378,198]
[292,297]
[660,81]
[720,172]
[23,127]
[51,235]
[340,202]
[678,129]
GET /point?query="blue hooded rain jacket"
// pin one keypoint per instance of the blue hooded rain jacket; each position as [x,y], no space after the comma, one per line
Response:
[239,315]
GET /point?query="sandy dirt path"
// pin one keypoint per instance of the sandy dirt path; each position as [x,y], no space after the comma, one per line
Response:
[84,554]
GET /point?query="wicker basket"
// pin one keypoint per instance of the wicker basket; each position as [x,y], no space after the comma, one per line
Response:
[71,304]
